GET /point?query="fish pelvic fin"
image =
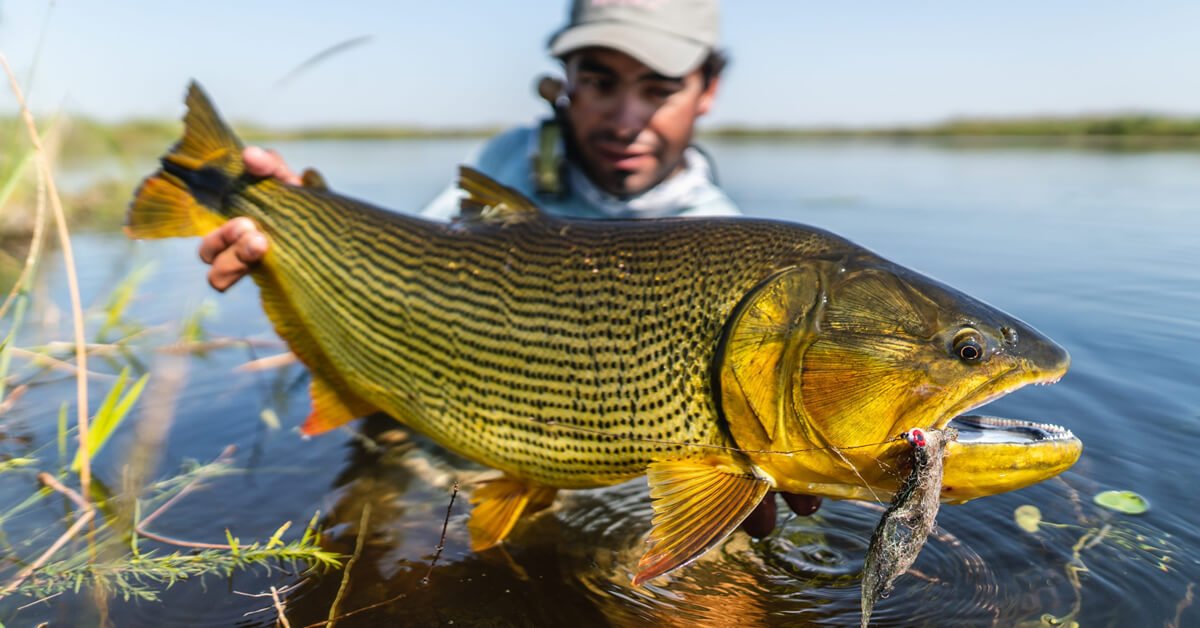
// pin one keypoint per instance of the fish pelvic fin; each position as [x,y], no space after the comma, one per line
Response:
[498,505]
[332,407]
[488,201]
[697,503]
[184,198]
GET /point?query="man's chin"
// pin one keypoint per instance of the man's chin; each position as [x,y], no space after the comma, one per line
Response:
[626,184]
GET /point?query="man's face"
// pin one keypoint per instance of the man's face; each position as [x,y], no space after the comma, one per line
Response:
[630,124]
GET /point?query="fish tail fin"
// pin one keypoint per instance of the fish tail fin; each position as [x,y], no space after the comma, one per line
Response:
[184,198]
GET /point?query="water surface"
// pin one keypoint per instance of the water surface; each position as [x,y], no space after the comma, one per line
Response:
[1099,250]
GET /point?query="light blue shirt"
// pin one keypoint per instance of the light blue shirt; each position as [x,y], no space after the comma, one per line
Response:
[508,158]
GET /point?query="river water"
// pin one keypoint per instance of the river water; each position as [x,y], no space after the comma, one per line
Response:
[1099,250]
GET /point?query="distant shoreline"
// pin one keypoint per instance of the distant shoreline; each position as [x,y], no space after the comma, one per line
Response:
[84,138]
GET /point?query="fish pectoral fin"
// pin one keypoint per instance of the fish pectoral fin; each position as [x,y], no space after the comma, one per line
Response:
[332,409]
[488,201]
[498,505]
[697,503]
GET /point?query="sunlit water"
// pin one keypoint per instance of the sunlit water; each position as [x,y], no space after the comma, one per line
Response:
[1099,250]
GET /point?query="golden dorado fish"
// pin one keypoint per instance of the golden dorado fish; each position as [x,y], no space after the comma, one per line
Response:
[721,357]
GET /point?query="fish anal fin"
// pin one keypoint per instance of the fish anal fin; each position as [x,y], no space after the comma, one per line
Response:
[332,408]
[697,503]
[498,505]
[486,200]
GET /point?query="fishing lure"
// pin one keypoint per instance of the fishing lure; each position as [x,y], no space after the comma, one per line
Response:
[904,527]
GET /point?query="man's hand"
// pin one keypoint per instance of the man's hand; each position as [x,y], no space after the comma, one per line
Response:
[237,245]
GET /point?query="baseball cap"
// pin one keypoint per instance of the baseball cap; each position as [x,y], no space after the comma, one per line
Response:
[672,37]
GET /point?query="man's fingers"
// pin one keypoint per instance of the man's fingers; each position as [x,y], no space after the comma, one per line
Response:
[267,163]
[235,261]
[224,237]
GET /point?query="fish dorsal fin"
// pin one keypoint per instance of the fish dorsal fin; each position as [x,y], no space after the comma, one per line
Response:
[498,505]
[760,353]
[487,200]
[697,503]
[314,180]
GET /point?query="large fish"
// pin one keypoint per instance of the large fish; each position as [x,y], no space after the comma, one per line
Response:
[723,358]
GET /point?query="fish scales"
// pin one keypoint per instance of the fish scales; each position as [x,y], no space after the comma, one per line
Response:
[498,339]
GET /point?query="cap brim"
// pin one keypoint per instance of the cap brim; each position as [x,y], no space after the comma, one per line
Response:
[666,54]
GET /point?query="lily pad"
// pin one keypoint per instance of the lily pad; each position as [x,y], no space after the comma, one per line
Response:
[1028,517]
[1127,502]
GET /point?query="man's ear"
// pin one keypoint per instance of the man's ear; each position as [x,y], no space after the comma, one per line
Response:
[708,96]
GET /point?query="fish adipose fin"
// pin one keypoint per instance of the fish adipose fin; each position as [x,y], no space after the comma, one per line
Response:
[696,505]
[498,505]
[184,197]
[487,201]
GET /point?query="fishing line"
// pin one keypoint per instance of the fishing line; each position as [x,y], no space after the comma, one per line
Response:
[554,424]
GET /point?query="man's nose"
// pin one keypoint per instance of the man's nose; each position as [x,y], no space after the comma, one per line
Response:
[630,114]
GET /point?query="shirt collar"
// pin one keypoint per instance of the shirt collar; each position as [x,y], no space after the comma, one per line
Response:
[678,192]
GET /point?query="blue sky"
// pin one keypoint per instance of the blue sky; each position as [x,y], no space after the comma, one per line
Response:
[472,62]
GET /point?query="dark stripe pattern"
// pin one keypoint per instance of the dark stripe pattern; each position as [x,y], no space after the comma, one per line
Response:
[553,350]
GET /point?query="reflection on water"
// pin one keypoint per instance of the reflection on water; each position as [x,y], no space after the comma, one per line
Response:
[1101,251]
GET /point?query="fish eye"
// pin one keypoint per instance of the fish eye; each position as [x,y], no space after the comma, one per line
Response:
[968,345]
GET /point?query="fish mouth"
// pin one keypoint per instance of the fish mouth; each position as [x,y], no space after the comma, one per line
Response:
[991,455]
[979,429]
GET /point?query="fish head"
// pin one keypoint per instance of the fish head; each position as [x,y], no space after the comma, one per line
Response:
[826,364]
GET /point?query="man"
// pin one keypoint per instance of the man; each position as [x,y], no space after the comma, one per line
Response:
[639,73]
[638,76]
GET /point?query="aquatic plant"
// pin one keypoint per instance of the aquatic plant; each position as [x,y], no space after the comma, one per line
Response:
[119,555]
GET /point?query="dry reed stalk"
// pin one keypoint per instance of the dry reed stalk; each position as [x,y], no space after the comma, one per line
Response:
[279,610]
[88,513]
[218,343]
[140,529]
[45,361]
[64,236]
[270,362]
[363,521]
[441,541]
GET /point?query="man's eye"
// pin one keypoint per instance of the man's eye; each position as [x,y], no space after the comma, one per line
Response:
[595,82]
[662,92]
